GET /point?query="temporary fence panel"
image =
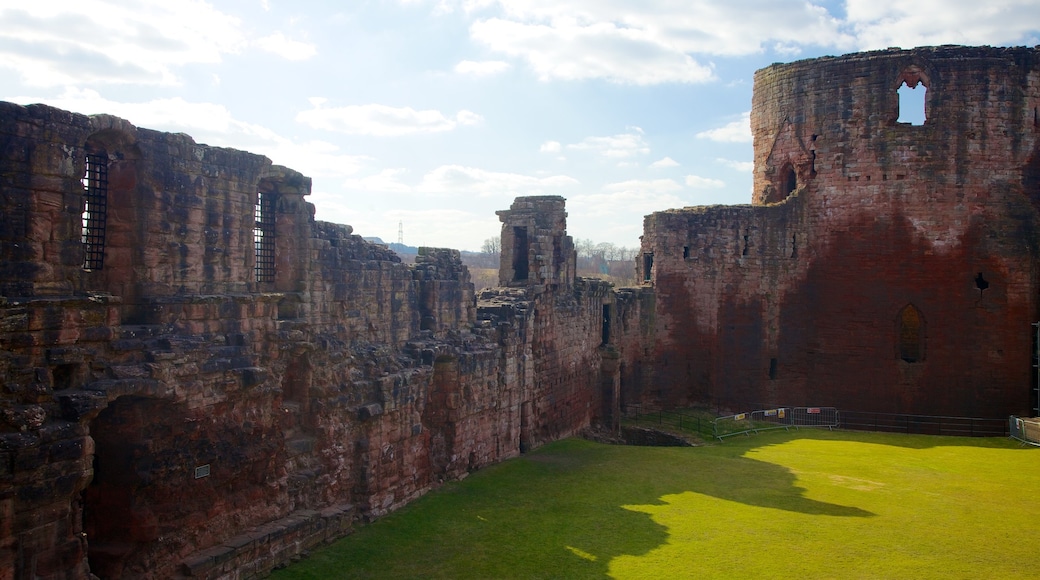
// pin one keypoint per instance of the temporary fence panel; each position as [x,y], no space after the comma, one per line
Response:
[778,418]
[815,417]
[1025,430]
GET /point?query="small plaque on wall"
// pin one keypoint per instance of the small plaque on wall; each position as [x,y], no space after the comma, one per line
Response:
[202,471]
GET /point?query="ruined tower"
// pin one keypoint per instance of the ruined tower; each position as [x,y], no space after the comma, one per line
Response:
[888,262]
[536,250]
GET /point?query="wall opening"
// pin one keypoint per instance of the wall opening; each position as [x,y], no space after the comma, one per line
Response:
[812,154]
[263,236]
[772,368]
[788,181]
[648,266]
[94,211]
[557,258]
[1031,178]
[606,324]
[65,376]
[686,252]
[912,103]
[785,184]
[521,249]
[119,516]
[911,334]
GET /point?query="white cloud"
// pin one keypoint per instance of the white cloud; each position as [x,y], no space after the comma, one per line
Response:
[383,120]
[481,68]
[622,145]
[653,41]
[744,166]
[286,48]
[465,117]
[386,181]
[550,147]
[213,124]
[461,179]
[637,197]
[883,23]
[570,51]
[698,182]
[657,41]
[644,185]
[66,42]
[738,131]
[664,162]
[441,227]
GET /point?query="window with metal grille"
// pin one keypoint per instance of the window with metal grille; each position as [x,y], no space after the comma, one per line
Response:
[263,237]
[95,211]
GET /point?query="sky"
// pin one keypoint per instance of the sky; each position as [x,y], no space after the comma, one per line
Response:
[421,118]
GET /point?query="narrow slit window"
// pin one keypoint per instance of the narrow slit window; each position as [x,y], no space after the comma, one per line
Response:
[648,266]
[789,180]
[521,249]
[606,324]
[263,237]
[95,211]
[911,103]
[911,334]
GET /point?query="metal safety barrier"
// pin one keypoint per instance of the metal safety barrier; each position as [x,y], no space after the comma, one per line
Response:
[1025,430]
[778,418]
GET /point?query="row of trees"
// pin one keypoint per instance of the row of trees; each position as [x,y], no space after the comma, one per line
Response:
[587,249]
[600,260]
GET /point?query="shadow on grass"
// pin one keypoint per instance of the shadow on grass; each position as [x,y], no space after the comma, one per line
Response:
[564,511]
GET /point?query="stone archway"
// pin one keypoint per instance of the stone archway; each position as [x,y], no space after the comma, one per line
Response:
[133,473]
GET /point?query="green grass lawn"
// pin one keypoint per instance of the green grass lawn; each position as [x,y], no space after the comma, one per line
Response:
[799,504]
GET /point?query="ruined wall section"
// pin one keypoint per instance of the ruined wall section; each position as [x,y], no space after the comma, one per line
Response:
[446,297]
[237,381]
[725,265]
[634,324]
[80,359]
[903,244]
[127,379]
[566,351]
[536,250]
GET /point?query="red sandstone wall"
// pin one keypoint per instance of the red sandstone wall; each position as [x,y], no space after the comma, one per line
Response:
[883,215]
[345,387]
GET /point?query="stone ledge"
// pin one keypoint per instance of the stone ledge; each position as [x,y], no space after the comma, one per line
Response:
[268,546]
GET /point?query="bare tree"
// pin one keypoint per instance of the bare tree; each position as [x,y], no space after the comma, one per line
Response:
[586,248]
[492,246]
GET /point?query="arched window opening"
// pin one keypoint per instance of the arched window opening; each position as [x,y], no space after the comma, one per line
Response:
[94,213]
[911,334]
[788,180]
[911,103]
[263,236]
[786,183]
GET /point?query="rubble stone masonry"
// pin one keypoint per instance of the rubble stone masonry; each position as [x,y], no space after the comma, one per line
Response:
[883,266]
[198,379]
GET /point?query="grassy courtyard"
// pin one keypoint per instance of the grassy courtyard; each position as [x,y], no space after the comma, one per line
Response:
[800,504]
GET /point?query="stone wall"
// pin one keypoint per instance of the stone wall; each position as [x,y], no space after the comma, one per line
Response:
[208,382]
[236,382]
[884,266]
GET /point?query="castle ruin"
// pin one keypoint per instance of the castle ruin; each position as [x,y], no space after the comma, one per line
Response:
[200,380]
